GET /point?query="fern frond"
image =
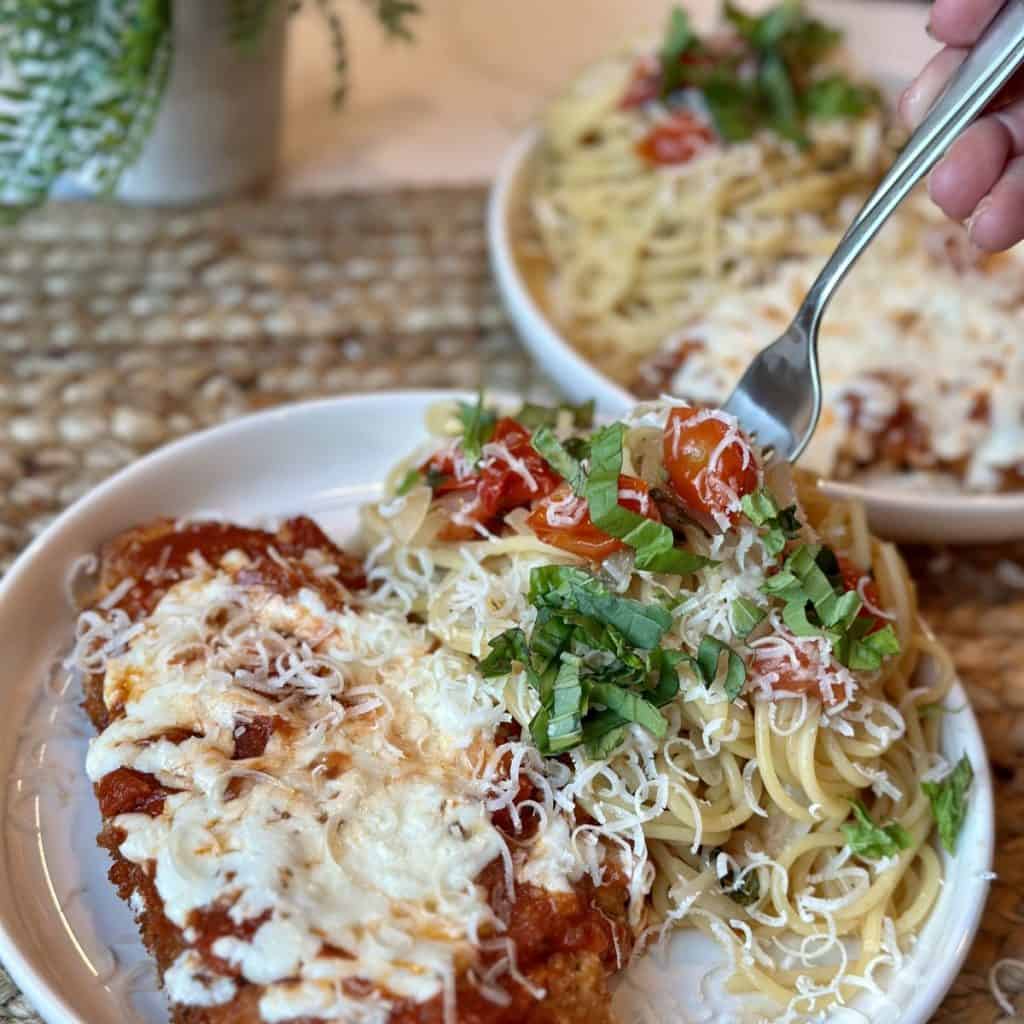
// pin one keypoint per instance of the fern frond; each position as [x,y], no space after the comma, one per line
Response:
[395,16]
[83,81]
[247,21]
[339,48]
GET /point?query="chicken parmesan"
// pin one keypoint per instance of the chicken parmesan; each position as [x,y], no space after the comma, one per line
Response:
[308,801]
[581,687]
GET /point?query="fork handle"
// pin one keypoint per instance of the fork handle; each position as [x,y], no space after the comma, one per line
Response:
[985,70]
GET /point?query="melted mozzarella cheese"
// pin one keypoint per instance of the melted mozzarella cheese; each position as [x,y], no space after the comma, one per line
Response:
[375,854]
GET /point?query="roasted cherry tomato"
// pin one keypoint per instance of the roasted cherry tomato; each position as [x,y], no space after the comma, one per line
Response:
[513,476]
[563,520]
[675,140]
[852,575]
[708,472]
[795,668]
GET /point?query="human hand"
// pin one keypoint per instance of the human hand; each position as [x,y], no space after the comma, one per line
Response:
[981,178]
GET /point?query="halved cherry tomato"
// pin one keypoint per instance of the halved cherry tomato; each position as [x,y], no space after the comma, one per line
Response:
[795,668]
[563,520]
[710,492]
[676,139]
[496,488]
[852,575]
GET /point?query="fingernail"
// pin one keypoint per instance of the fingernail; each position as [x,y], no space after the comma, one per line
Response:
[911,105]
[979,211]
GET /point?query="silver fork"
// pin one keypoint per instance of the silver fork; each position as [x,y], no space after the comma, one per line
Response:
[778,399]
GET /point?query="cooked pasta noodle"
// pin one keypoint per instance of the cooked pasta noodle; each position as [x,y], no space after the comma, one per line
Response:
[627,251]
[732,822]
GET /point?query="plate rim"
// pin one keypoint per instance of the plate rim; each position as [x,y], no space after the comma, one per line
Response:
[47,998]
[547,343]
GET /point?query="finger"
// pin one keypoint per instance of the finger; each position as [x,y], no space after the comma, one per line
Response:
[959,22]
[968,172]
[998,221]
[1012,119]
[922,92]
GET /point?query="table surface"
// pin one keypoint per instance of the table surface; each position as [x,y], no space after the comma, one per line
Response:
[122,329]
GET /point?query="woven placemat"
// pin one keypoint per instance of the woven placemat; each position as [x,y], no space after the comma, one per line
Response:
[122,329]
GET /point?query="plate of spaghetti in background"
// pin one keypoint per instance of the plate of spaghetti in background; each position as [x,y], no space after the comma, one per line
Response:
[668,212]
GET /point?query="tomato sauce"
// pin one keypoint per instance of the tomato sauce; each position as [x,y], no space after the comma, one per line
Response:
[550,931]
[252,736]
[127,791]
[213,923]
[159,556]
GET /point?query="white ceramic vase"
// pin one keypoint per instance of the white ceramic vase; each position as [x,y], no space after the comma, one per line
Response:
[218,129]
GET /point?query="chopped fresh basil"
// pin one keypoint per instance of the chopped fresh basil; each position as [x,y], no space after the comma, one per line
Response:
[430,477]
[551,635]
[577,447]
[779,98]
[746,616]
[506,648]
[948,798]
[742,889]
[709,654]
[759,506]
[565,713]
[561,461]
[477,428]
[769,78]
[679,37]
[628,704]
[835,96]
[816,604]
[779,525]
[866,839]
[865,653]
[653,542]
[411,479]
[602,737]
[567,588]
[533,416]
[732,106]
[592,659]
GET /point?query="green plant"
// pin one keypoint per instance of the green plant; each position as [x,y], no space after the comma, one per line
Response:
[81,81]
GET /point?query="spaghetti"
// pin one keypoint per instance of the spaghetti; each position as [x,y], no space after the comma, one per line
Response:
[631,242]
[669,249]
[783,797]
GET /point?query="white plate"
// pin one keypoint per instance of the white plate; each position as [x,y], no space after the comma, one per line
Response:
[888,41]
[65,937]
